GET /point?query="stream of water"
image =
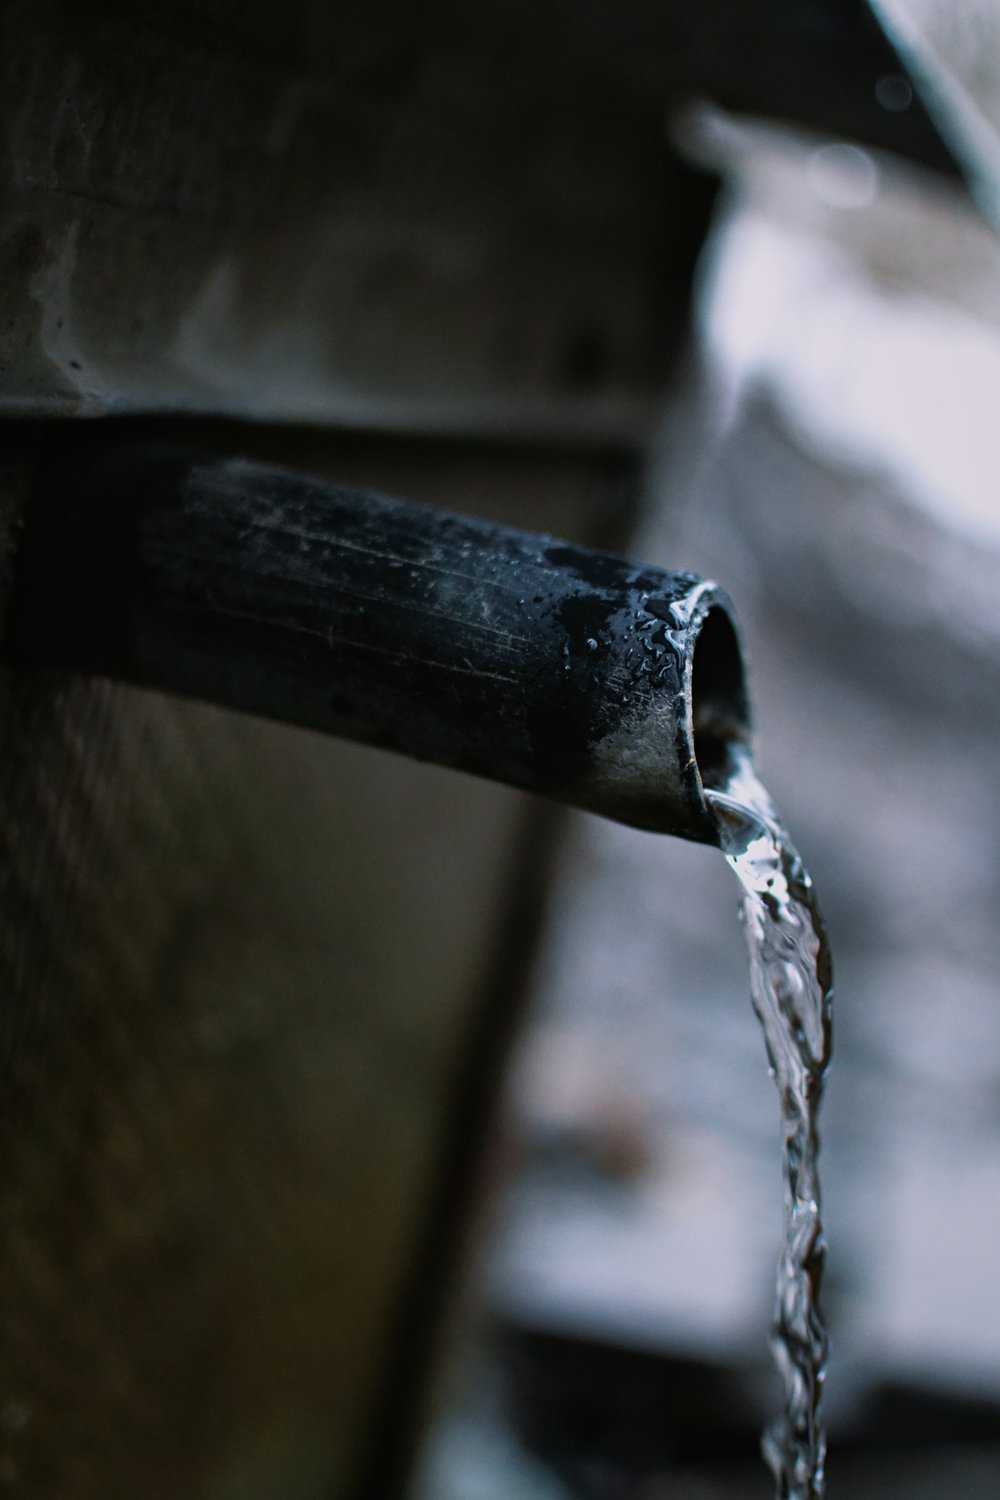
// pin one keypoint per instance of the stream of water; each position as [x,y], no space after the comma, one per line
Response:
[790,984]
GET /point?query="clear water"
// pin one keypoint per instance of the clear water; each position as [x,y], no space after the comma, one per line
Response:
[790,984]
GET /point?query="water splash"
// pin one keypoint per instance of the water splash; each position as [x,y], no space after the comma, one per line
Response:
[790,985]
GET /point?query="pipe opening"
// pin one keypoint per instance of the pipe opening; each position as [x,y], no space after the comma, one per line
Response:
[720,711]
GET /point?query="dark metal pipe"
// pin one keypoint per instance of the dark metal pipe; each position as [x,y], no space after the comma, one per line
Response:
[577,675]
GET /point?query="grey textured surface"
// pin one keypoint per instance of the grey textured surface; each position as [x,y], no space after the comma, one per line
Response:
[452,216]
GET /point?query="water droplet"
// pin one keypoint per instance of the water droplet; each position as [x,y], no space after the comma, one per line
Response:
[894,93]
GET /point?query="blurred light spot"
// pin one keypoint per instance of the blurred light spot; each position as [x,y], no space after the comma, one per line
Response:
[894,93]
[843,176]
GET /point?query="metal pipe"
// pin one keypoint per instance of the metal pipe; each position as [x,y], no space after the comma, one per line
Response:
[577,675]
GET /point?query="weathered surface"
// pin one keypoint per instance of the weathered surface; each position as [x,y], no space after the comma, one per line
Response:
[454,216]
[553,668]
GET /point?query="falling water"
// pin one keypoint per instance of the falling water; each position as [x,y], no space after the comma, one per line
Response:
[790,981]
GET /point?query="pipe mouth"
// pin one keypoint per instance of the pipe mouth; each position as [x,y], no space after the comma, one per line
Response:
[720,703]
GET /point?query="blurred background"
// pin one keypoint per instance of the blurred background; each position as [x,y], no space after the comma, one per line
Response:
[831,455]
[373,1132]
